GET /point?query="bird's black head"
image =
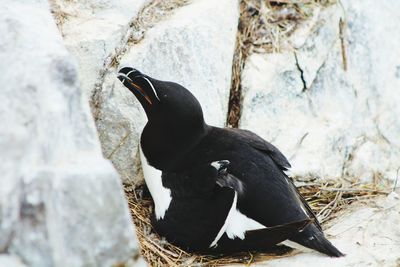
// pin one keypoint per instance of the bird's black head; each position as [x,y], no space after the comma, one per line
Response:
[175,117]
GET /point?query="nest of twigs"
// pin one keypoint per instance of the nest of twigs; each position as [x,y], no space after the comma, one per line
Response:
[263,26]
[326,198]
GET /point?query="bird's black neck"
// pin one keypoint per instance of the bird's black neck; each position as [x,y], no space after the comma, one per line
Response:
[165,147]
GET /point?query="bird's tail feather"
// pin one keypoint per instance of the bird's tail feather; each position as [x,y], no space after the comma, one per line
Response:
[313,238]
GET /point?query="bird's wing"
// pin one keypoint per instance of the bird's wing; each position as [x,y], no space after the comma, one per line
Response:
[280,160]
[230,181]
[225,179]
[260,144]
[264,240]
[306,205]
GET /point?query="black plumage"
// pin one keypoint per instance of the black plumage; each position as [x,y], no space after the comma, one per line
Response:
[177,141]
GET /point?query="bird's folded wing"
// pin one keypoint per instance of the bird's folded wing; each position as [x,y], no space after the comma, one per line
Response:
[305,203]
[260,144]
[265,239]
[280,160]
[230,181]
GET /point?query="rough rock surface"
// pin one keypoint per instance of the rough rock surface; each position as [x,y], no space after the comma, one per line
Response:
[194,47]
[367,233]
[61,202]
[10,261]
[92,31]
[329,121]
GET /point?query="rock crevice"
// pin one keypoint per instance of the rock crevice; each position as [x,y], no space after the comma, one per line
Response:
[338,64]
[301,71]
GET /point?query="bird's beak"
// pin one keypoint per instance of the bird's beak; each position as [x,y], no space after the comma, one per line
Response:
[133,80]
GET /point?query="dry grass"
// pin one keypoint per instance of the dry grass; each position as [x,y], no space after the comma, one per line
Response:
[264,27]
[159,252]
[59,13]
[325,197]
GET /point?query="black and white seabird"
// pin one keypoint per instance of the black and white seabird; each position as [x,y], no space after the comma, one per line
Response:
[216,190]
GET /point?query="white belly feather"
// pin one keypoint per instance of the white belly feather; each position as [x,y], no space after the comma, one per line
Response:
[160,194]
[236,223]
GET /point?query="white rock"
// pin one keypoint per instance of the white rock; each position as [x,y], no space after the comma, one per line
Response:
[10,261]
[315,50]
[61,202]
[92,30]
[368,235]
[194,47]
[344,122]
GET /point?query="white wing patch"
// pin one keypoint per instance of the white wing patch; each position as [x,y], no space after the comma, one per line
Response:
[236,224]
[239,224]
[160,194]
[228,218]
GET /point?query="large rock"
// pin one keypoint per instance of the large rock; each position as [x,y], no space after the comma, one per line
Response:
[93,30]
[61,202]
[10,261]
[368,234]
[194,47]
[332,117]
